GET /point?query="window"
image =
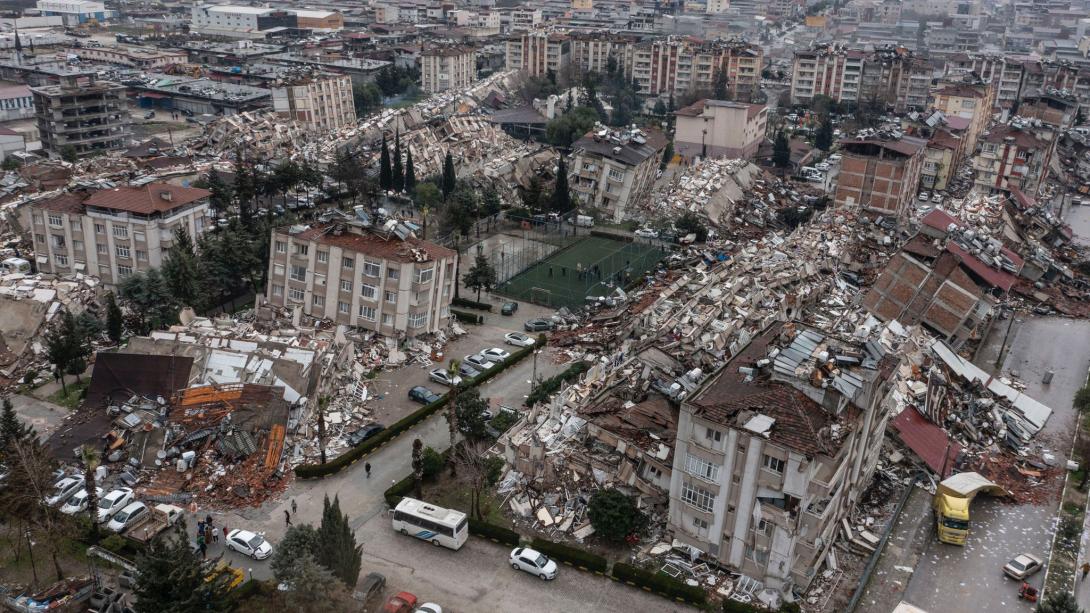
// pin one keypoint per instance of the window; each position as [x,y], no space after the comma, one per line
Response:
[702,468]
[61,260]
[616,175]
[700,524]
[323,256]
[278,269]
[302,249]
[773,464]
[367,312]
[122,251]
[102,249]
[281,247]
[58,240]
[138,235]
[277,290]
[77,246]
[368,291]
[988,147]
[40,239]
[424,275]
[141,256]
[342,307]
[764,527]
[37,217]
[714,435]
[121,232]
[698,497]
[55,219]
[319,300]
[387,319]
[393,273]
[347,262]
[295,294]
[124,271]
[416,320]
[298,273]
[346,285]
[371,269]
[100,228]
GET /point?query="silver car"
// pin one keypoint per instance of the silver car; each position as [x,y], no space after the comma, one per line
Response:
[440,375]
[479,362]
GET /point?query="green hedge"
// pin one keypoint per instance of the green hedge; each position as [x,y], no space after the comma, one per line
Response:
[550,386]
[310,471]
[494,532]
[660,584]
[471,304]
[467,317]
[572,555]
[399,490]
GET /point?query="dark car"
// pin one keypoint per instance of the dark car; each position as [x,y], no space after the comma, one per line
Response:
[509,308]
[468,371]
[371,586]
[423,395]
[538,325]
[364,433]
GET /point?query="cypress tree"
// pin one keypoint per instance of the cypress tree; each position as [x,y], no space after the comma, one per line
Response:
[113,318]
[337,548]
[450,179]
[410,172]
[561,200]
[385,174]
[398,173]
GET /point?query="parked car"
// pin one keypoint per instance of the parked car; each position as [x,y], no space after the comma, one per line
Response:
[538,325]
[149,114]
[509,308]
[128,517]
[401,602]
[440,375]
[1022,566]
[423,395]
[533,562]
[371,586]
[466,371]
[78,502]
[646,233]
[364,433]
[478,361]
[249,544]
[64,489]
[495,354]
[936,198]
[923,196]
[518,339]
[429,607]
[113,502]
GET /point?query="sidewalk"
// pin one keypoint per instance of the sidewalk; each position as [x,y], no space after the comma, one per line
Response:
[906,544]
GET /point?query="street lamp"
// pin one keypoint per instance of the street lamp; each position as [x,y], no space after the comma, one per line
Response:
[703,145]
[533,377]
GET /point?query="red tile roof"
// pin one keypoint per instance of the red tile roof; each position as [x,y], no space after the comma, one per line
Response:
[150,198]
[372,244]
[992,276]
[68,202]
[929,441]
[941,220]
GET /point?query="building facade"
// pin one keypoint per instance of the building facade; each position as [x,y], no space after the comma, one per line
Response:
[358,276]
[538,52]
[114,233]
[75,12]
[971,100]
[672,65]
[450,67]
[321,102]
[16,102]
[889,75]
[133,57]
[880,175]
[717,128]
[1013,157]
[613,171]
[82,115]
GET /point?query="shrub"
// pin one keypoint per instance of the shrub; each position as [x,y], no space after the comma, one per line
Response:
[433,462]
[572,555]
[467,317]
[30,375]
[115,543]
[492,531]
[504,420]
[549,386]
[471,304]
[733,606]
[615,515]
[399,490]
[658,583]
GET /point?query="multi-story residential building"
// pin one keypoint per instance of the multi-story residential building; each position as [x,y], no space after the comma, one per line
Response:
[717,128]
[75,12]
[829,71]
[525,19]
[881,175]
[715,7]
[675,65]
[320,102]
[113,233]
[1055,108]
[16,102]
[590,51]
[969,99]
[82,114]
[612,171]
[1014,156]
[352,273]
[775,449]
[237,21]
[538,52]
[890,75]
[447,67]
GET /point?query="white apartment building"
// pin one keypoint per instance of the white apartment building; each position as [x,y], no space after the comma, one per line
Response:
[525,19]
[113,233]
[360,276]
[613,171]
[321,102]
[449,67]
[718,128]
[538,52]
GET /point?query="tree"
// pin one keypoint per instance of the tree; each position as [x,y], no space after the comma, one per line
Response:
[1080,117]
[614,515]
[300,540]
[69,154]
[180,269]
[720,84]
[245,188]
[452,414]
[450,178]
[1082,399]
[823,139]
[313,588]
[385,173]
[149,299]
[398,173]
[660,107]
[480,470]
[418,467]
[12,430]
[337,548]
[427,197]
[689,223]
[532,195]
[67,347]
[469,411]
[367,98]
[481,276]
[30,481]
[570,127]
[410,172]
[667,155]
[1059,602]
[113,318]
[432,463]
[222,194]
[172,578]
[91,459]
[781,151]
[561,199]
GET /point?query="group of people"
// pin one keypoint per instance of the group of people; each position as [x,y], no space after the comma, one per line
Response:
[207,533]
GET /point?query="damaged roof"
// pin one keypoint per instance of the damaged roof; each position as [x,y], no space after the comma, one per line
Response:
[147,199]
[369,243]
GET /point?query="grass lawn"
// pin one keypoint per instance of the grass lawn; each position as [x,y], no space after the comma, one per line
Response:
[72,398]
[15,565]
[455,494]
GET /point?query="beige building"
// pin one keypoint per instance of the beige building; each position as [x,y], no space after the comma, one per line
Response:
[972,101]
[612,171]
[1014,157]
[679,65]
[450,67]
[321,102]
[359,276]
[113,233]
[83,113]
[717,128]
[538,52]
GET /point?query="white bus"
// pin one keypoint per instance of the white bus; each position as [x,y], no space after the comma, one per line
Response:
[428,522]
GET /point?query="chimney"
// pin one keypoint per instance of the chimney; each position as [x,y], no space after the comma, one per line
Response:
[166,195]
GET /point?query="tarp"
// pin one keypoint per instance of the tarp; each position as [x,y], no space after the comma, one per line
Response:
[929,441]
[968,485]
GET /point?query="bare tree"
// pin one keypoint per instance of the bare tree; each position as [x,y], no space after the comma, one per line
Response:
[478,469]
[452,415]
[29,484]
[418,467]
[91,460]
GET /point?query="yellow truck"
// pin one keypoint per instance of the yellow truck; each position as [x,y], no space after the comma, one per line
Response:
[951,504]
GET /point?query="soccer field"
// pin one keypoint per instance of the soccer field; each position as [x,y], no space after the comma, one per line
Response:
[592,266]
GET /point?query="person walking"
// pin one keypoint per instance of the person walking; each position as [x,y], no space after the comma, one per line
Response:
[294,509]
[202,546]
[1085,569]
[287,517]
[225,535]
[367,469]
[209,534]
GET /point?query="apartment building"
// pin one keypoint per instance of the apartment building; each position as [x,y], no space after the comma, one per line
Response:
[715,7]
[83,113]
[525,19]
[447,67]
[969,99]
[676,65]
[833,72]
[612,171]
[320,102]
[352,273]
[774,450]
[590,51]
[538,52]
[113,233]
[717,128]
[1014,156]
[238,21]
[881,175]
[890,75]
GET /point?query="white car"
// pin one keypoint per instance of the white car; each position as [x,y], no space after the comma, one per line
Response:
[440,375]
[429,607]
[1022,566]
[518,339]
[64,489]
[646,233]
[479,362]
[113,502]
[924,196]
[936,198]
[78,502]
[495,354]
[128,517]
[249,544]
[533,562]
